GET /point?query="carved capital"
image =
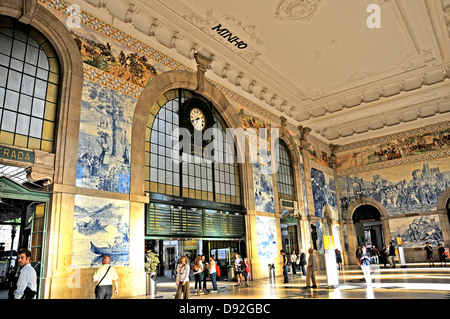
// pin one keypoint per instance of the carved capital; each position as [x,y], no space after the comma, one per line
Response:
[40,174]
[202,65]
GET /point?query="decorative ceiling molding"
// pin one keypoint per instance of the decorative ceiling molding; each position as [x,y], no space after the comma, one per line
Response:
[234,29]
[414,82]
[296,9]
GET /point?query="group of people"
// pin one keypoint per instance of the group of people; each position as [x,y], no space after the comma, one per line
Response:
[300,262]
[384,256]
[201,269]
[295,261]
[441,253]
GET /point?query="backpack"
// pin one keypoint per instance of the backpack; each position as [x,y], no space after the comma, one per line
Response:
[217,271]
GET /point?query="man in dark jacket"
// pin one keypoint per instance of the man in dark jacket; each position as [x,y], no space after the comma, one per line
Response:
[391,255]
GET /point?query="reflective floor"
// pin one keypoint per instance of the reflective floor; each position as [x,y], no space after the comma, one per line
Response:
[416,281]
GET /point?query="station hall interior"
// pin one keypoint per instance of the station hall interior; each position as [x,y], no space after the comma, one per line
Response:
[216,128]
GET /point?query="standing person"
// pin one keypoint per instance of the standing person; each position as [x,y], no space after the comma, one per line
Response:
[105,275]
[441,253]
[392,255]
[338,259]
[26,284]
[285,266]
[238,268]
[294,262]
[375,255]
[182,281]
[205,274]
[213,273]
[358,253]
[247,270]
[198,268]
[429,252]
[311,268]
[384,256]
[365,265]
[302,262]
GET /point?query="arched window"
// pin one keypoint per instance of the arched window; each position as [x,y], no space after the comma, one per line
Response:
[29,78]
[197,178]
[285,180]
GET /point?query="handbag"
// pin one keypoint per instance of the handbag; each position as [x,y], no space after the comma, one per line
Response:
[96,286]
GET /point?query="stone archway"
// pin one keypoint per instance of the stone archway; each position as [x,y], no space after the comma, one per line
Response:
[160,84]
[444,215]
[59,166]
[184,80]
[351,228]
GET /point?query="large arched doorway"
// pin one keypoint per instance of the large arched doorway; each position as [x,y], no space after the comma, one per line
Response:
[368,226]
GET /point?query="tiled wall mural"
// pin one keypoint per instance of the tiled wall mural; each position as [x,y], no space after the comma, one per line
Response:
[324,193]
[101,227]
[266,232]
[262,178]
[104,141]
[406,189]
[400,145]
[416,231]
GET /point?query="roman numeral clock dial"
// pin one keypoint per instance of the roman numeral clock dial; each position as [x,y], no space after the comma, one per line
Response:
[198,119]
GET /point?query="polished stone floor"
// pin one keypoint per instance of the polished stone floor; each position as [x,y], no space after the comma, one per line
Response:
[416,281]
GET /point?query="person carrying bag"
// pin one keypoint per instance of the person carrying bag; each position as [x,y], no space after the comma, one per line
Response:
[96,286]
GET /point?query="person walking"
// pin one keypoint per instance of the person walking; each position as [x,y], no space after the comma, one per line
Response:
[358,253]
[239,269]
[429,252]
[285,266]
[311,269]
[198,268]
[247,270]
[384,256]
[182,280]
[391,255]
[26,284]
[375,255]
[294,262]
[338,259]
[205,274]
[213,273]
[365,265]
[105,276]
[302,262]
[442,256]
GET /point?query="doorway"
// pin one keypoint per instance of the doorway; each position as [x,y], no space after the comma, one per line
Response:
[368,226]
[22,225]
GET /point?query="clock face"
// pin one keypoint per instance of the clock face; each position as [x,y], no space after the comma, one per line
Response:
[197,118]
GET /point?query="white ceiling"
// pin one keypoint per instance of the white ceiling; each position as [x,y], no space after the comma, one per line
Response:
[315,62]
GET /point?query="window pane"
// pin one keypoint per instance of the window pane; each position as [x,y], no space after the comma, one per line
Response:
[25,104]
[18,50]
[36,127]
[6,44]
[23,123]
[12,100]
[32,55]
[14,79]
[38,108]
[9,121]
[27,85]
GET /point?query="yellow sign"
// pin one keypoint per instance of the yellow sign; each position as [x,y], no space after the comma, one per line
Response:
[190,244]
[328,242]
